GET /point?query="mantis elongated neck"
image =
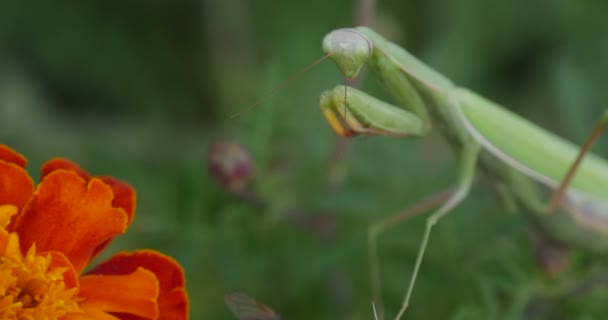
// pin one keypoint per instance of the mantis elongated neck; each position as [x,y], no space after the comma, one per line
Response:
[415,86]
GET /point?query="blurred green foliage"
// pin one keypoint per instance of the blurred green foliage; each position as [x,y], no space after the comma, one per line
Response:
[140,89]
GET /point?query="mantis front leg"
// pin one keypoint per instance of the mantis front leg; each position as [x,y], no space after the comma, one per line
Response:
[378,228]
[365,114]
[357,112]
[450,199]
[468,157]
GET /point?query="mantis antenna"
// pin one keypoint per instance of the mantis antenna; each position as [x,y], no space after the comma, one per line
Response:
[347,47]
[280,86]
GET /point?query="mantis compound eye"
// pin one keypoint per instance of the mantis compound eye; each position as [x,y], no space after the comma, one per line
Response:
[349,48]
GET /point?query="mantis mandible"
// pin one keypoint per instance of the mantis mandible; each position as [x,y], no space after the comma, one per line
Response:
[562,187]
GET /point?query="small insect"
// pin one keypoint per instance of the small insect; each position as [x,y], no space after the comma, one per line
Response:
[245,307]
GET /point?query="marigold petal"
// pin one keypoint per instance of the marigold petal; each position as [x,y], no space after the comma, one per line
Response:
[125,198]
[67,214]
[92,314]
[4,238]
[11,156]
[173,299]
[63,164]
[6,212]
[9,246]
[174,305]
[59,260]
[169,273]
[135,293]
[16,186]
[124,195]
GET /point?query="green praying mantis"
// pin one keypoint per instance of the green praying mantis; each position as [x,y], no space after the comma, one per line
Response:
[561,187]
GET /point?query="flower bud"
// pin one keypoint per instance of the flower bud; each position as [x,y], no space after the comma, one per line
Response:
[230,165]
[552,259]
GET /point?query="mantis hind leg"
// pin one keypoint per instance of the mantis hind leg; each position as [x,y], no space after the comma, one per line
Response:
[558,194]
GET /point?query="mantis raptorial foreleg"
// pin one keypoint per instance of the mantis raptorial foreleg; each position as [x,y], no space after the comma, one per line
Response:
[395,121]
[388,118]
[366,114]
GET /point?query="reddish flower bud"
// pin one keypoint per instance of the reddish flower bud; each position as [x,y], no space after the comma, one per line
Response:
[230,165]
[552,259]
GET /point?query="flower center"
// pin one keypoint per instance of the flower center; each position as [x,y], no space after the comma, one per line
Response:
[31,289]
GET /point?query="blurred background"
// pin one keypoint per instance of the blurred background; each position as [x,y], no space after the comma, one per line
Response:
[141,90]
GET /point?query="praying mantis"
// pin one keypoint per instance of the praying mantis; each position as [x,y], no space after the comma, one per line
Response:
[561,187]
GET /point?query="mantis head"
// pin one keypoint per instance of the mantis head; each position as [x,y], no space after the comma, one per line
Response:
[349,48]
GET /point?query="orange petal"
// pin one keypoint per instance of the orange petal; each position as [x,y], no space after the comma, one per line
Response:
[59,260]
[9,245]
[9,155]
[174,305]
[125,198]
[173,299]
[67,214]
[92,314]
[124,194]
[6,212]
[16,186]
[135,293]
[59,164]
[4,238]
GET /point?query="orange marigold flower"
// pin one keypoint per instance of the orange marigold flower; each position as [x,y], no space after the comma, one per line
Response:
[49,234]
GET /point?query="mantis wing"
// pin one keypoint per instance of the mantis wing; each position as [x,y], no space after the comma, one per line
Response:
[512,138]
